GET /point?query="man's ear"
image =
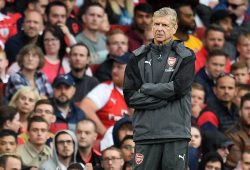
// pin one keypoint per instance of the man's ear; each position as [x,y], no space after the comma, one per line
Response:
[83,18]
[74,90]
[6,63]
[122,162]
[96,135]
[175,28]
[48,135]
[45,17]
[53,120]
[88,60]
[214,89]
[7,124]
[240,113]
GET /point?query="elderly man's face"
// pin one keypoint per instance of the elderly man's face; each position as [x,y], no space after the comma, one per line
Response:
[163,29]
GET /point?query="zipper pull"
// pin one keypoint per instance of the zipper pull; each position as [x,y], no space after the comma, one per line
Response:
[159,58]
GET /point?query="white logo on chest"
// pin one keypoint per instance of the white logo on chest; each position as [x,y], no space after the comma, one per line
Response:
[148,62]
[113,100]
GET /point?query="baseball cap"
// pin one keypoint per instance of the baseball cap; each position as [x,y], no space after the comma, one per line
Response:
[123,59]
[227,144]
[64,79]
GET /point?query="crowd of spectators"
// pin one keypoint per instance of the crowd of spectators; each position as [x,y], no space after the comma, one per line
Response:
[62,65]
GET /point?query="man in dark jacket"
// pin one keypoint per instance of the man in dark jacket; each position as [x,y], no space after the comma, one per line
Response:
[86,135]
[67,113]
[240,133]
[215,65]
[79,59]
[157,85]
[32,26]
[220,112]
[215,141]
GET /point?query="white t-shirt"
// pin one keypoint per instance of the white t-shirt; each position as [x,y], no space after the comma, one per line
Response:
[101,93]
[107,139]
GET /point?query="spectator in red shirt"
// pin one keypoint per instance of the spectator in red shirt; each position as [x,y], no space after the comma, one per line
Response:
[214,39]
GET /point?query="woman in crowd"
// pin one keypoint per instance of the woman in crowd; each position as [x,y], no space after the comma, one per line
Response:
[30,60]
[194,147]
[54,47]
[24,101]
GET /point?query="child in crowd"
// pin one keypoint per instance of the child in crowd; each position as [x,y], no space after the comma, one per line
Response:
[242,89]
[198,97]
[240,71]
[194,152]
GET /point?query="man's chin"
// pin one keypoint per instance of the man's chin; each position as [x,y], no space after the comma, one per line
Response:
[78,69]
[62,102]
[66,156]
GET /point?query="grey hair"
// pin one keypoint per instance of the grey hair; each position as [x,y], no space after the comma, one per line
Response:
[169,12]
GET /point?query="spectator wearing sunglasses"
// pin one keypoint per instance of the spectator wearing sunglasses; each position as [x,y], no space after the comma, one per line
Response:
[221,112]
[225,21]
[239,9]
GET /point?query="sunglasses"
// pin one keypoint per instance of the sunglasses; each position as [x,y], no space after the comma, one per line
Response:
[223,74]
[234,6]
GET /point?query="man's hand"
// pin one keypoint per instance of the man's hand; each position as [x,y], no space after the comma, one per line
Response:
[67,34]
[196,109]
[64,29]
